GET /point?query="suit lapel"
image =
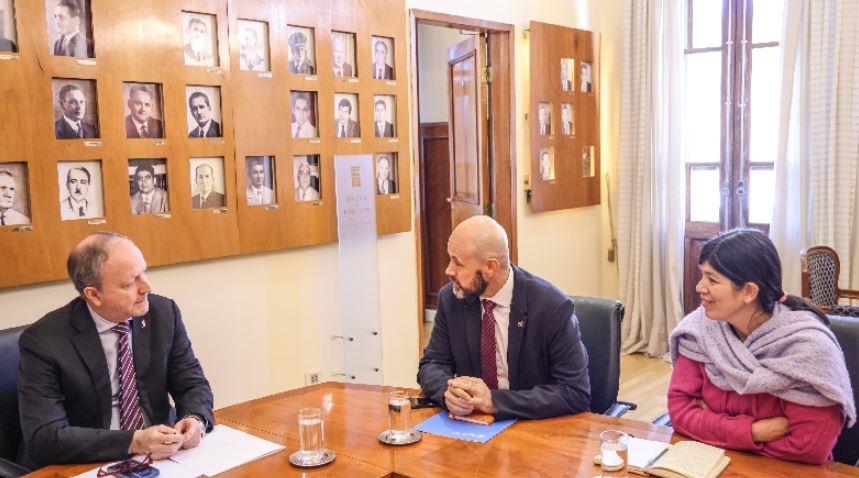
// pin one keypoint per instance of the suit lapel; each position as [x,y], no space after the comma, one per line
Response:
[88,346]
[516,328]
[141,346]
[471,314]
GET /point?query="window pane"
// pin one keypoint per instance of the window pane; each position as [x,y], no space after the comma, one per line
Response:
[704,196]
[766,75]
[767,21]
[703,107]
[761,192]
[706,23]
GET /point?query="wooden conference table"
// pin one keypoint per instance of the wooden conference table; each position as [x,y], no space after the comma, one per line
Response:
[555,447]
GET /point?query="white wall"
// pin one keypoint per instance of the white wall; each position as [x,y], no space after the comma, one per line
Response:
[432,74]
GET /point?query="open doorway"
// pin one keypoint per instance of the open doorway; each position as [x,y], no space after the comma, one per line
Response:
[462,76]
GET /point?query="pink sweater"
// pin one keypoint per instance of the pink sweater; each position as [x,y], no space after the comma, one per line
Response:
[812,431]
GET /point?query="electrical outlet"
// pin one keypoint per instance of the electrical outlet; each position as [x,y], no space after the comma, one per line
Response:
[312,378]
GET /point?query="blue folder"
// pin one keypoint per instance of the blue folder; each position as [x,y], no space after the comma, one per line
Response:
[442,425]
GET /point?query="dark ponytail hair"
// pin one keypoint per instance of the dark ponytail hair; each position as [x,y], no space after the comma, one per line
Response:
[747,255]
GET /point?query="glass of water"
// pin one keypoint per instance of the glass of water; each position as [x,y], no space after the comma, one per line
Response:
[399,412]
[310,433]
[614,452]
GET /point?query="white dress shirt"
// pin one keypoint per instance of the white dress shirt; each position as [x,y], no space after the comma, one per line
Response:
[501,312]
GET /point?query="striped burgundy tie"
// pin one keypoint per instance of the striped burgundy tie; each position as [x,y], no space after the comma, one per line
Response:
[130,415]
[488,367]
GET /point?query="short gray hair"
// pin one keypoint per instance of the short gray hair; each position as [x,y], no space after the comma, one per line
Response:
[86,261]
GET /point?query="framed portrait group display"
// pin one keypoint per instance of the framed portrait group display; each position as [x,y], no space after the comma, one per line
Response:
[564,118]
[199,128]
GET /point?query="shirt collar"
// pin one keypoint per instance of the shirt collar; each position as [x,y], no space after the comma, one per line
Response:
[73,123]
[101,324]
[504,296]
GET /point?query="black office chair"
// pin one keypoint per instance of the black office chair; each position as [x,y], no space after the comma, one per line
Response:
[599,322]
[846,330]
[10,423]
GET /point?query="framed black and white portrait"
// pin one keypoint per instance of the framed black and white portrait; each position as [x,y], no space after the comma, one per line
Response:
[75,108]
[254,52]
[386,173]
[588,164]
[383,58]
[343,55]
[568,124]
[144,110]
[207,183]
[586,77]
[70,28]
[261,189]
[547,164]
[204,111]
[80,190]
[544,118]
[384,116]
[346,115]
[305,170]
[302,50]
[147,181]
[304,117]
[8,29]
[200,39]
[568,72]
[14,194]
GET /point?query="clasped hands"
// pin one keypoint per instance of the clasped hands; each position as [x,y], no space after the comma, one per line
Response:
[163,441]
[465,395]
[763,430]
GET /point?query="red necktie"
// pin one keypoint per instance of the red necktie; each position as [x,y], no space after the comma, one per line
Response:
[488,367]
[130,415]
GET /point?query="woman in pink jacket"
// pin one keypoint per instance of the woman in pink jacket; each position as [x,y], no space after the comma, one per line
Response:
[757,369]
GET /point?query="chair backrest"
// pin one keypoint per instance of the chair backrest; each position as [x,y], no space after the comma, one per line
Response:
[820,268]
[10,423]
[846,330]
[599,323]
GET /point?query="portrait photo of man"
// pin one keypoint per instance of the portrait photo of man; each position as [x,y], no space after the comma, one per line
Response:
[80,188]
[148,186]
[544,118]
[383,58]
[74,120]
[586,78]
[566,74]
[8,33]
[144,110]
[306,178]
[345,116]
[383,126]
[14,204]
[201,39]
[69,27]
[547,164]
[253,45]
[386,171]
[204,106]
[343,54]
[260,190]
[588,164]
[207,182]
[304,114]
[567,128]
[301,56]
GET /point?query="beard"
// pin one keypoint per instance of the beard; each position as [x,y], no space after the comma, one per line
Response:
[475,289]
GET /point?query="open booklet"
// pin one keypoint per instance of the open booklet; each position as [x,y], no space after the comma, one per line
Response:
[684,459]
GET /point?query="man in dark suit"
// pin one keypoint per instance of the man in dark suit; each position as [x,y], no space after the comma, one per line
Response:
[201,110]
[338,53]
[95,374]
[384,183]
[67,17]
[140,123]
[7,44]
[299,61]
[566,83]
[149,198]
[206,196]
[381,126]
[71,124]
[345,126]
[505,342]
[381,69]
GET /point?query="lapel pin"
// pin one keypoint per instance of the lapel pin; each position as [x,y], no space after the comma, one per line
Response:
[143,323]
[520,324]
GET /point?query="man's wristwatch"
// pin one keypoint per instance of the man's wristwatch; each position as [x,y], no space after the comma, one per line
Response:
[200,421]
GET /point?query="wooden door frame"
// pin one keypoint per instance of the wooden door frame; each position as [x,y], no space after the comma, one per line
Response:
[502,145]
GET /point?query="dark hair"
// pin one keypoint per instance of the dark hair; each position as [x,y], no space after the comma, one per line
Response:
[144,167]
[344,103]
[79,168]
[198,94]
[747,255]
[66,89]
[72,5]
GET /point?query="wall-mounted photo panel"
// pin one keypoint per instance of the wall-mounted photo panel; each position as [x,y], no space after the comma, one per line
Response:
[261,181]
[14,194]
[568,125]
[384,116]
[343,54]
[304,117]
[80,190]
[254,51]
[207,183]
[306,174]
[8,30]
[547,164]
[544,117]
[69,28]
[204,111]
[200,36]
[147,181]
[386,173]
[568,72]
[586,79]
[346,115]
[588,163]
[144,110]
[75,108]
[383,58]
[302,51]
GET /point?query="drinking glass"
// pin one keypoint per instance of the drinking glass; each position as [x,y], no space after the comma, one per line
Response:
[310,433]
[614,452]
[399,411]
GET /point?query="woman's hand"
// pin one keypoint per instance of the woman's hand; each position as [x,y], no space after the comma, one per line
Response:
[769,429]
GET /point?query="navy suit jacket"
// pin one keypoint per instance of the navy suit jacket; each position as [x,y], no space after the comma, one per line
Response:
[547,363]
[64,387]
